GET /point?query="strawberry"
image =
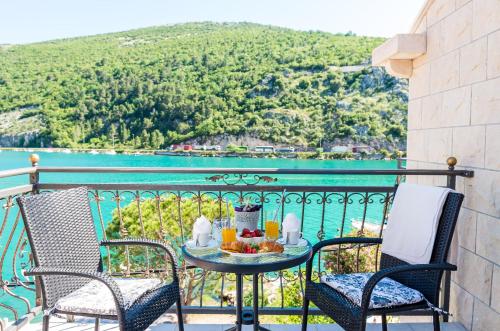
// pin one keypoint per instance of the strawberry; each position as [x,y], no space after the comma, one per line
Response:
[258,233]
[245,231]
[254,251]
[247,235]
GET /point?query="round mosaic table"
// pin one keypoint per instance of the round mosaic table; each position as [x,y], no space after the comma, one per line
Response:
[215,260]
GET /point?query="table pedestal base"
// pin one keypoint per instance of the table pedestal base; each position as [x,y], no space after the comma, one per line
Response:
[247,317]
[256,327]
[260,328]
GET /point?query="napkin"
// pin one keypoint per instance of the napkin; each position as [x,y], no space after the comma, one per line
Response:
[201,225]
[290,223]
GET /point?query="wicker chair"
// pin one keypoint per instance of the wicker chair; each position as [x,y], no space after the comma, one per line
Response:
[68,265]
[425,278]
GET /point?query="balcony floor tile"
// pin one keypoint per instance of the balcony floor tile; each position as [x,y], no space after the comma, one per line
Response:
[88,325]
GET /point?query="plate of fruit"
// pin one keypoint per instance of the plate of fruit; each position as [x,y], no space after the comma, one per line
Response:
[239,248]
[251,236]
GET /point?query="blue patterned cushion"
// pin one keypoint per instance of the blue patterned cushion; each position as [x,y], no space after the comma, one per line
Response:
[387,293]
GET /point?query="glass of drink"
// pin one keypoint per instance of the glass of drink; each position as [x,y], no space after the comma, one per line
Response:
[228,232]
[217,227]
[272,229]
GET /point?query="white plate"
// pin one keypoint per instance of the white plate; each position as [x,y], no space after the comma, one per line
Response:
[254,240]
[191,244]
[246,254]
[302,242]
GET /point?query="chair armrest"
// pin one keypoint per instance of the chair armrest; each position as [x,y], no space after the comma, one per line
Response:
[345,240]
[378,276]
[148,243]
[99,276]
[337,241]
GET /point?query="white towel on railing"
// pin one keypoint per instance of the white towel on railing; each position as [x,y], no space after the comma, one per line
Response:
[413,222]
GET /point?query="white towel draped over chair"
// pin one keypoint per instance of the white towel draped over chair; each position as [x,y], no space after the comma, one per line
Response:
[413,221]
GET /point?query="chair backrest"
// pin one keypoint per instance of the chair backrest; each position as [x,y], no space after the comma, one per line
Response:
[61,233]
[429,283]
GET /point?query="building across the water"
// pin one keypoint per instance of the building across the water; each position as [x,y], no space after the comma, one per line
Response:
[289,149]
[264,149]
[341,149]
[362,149]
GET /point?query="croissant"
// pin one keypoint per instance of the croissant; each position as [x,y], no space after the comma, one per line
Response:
[233,246]
[270,246]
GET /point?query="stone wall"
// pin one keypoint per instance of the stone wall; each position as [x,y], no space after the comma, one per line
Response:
[454,110]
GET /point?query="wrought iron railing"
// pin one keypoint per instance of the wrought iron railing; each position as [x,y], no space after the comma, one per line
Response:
[165,208]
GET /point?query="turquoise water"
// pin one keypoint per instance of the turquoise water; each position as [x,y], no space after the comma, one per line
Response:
[313,212]
[10,160]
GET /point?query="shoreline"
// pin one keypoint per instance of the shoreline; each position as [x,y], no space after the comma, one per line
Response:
[223,154]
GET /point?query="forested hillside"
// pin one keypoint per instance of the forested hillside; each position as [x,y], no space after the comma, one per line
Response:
[151,87]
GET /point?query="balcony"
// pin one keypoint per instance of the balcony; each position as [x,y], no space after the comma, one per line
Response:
[88,325]
[326,204]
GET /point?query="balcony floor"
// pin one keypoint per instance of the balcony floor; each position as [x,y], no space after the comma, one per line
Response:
[88,325]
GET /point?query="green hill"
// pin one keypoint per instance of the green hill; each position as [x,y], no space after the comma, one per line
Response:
[161,85]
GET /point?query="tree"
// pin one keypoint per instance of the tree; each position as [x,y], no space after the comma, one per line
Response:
[124,133]
[292,295]
[172,228]
[355,259]
[145,141]
[157,139]
[204,85]
[112,134]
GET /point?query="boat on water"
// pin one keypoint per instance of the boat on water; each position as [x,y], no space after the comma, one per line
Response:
[66,151]
[111,152]
[368,225]
[93,152]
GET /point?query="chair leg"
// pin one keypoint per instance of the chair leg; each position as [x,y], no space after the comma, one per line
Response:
[180,320]
[305,313]
[45,323]
[96,325]
[435,321]
[384,322]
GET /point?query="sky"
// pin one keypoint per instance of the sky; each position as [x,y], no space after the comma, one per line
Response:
[27,21]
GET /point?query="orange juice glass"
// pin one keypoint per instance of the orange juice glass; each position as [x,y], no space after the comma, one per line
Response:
[272,229]
[228,235]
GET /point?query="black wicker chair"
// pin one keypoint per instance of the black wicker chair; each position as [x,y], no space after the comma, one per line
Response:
[425,278]
[67,257]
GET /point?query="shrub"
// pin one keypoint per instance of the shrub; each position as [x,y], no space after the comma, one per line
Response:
[170,231]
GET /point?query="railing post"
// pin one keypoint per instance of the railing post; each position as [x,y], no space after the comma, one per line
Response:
[450,183]
[34,179]
[451,179]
